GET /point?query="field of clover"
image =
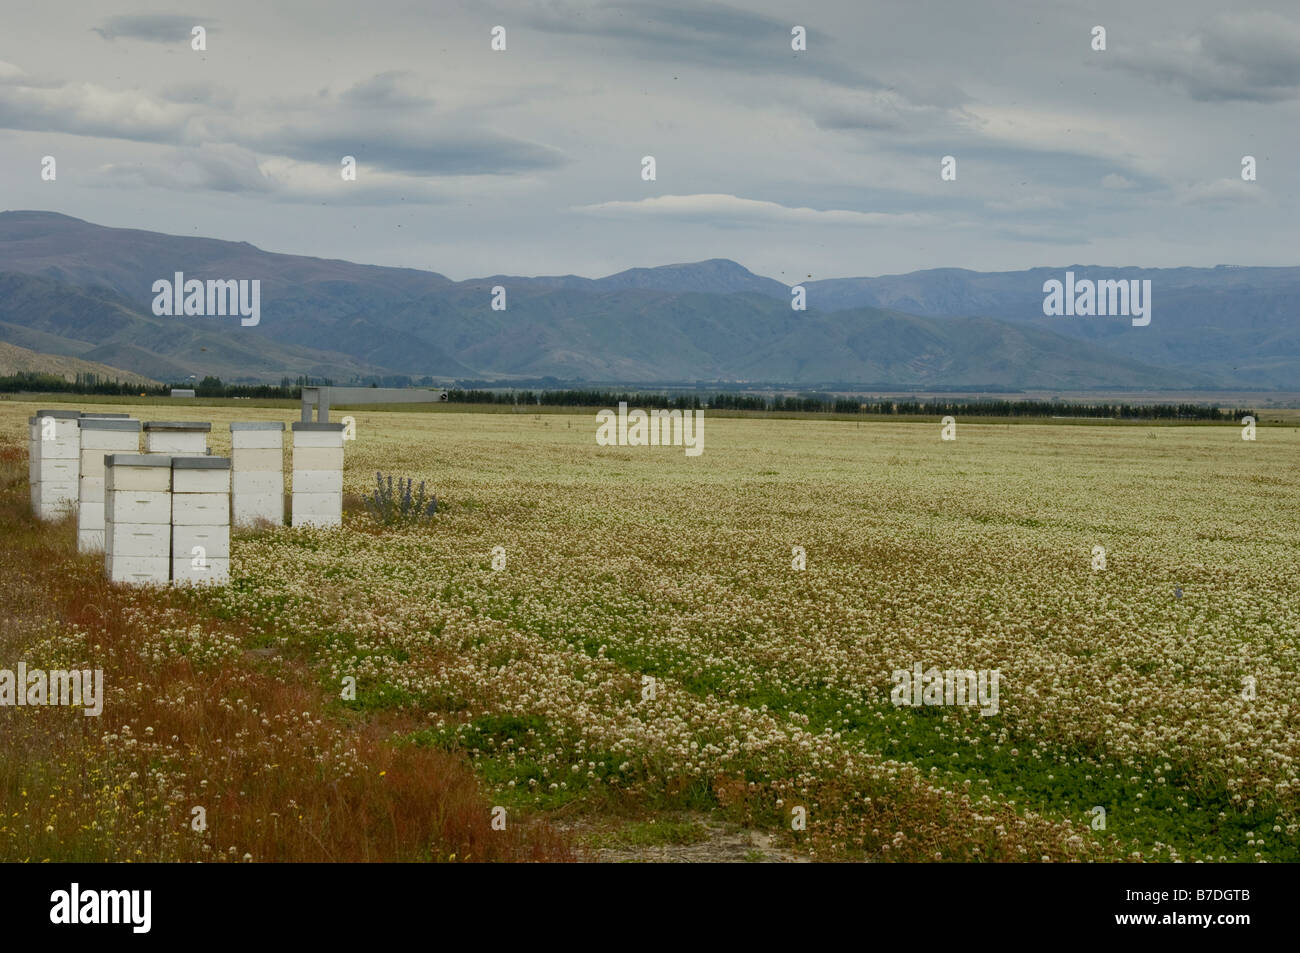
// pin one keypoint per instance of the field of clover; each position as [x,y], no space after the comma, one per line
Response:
[622,629]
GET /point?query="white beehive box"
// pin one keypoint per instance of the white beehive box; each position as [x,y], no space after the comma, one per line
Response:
[200,520]
[258,483]
[34,460]
[137,518]
[214,540]
[317,482]
[177,437]
[256,460]
[140,541]
[257,472]
[100,436]
[54,462]
[317,477]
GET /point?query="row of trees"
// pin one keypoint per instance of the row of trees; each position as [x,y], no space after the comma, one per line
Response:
[849,405]
[803,403]
[83,384]
[95,384]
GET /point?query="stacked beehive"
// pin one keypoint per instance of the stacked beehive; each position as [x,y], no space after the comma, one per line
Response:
[200,518]
[177,437]
[317,474]
[55,457]
[137,518]
[257,473]
[100,436]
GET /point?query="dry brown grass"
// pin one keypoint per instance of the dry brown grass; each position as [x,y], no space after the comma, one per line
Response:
[192,719]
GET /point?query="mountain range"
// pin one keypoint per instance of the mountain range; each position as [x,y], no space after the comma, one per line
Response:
[84,291]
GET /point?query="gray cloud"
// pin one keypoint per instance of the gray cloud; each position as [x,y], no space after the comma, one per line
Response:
[394,89]
[393,144]
[200,94]
[90,110]
[1252,57]
[235,171]
[208,168]
[705,34]
[415,151]
[153,27]
[824,161]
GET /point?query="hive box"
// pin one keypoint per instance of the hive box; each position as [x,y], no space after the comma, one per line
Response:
[317,476]
[54,457]
[257,473]
[137,518]
[258,483]
[200,520]
[58,470]
[317,482]
[247,460]
[177,437]
[100,436]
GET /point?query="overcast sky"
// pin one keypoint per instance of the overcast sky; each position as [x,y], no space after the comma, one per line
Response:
[824,163]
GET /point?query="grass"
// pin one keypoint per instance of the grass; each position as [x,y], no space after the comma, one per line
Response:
[627,564]
[192,720]
[656,832]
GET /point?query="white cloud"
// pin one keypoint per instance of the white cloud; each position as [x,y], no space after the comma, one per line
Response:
[1025,203]
[1224,192]
[91,110]
[232,169]
[713,208]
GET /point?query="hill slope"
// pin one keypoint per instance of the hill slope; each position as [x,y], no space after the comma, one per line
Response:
[20,360]
[81,290]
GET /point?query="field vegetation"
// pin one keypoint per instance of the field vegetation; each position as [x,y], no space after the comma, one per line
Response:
[620,632]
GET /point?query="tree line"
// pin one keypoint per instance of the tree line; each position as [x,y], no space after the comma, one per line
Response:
[96,384]
[849,405]
[803,403]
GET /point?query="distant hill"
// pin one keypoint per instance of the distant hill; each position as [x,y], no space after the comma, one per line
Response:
[1237,324]
[20,360]
[80,290]
[98,325]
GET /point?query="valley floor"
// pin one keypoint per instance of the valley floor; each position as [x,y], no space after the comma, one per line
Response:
[619,643]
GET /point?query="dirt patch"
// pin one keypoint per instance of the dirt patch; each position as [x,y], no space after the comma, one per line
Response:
[694,838]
